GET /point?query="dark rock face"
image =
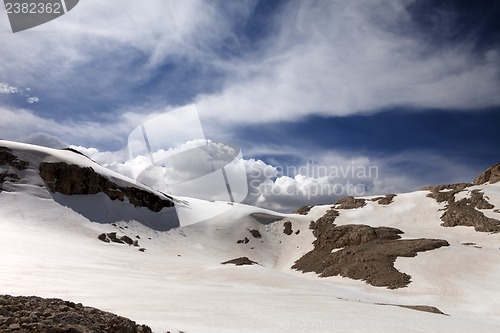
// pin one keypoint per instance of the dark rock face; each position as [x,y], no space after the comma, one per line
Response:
[491,175]
[72,179]
[350,203]
[240,261]
[465,211]
[34,314]
[364,252]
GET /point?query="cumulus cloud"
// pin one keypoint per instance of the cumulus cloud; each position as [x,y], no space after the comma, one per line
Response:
[323,179]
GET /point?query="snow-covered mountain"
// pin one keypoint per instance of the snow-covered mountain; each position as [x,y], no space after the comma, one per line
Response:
[416,262]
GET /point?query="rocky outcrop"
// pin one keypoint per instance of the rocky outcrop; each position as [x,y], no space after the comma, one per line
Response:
[386,200]
[34,314]
[444,193]
[240,261]
[304,210]
[70,179]
[464,212]
[350,203]
[361,252]
[491,175]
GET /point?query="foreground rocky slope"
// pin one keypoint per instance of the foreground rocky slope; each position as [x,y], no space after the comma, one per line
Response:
[27,314]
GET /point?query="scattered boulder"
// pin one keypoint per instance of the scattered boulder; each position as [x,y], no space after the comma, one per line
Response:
[288,228]
[103,238]
[142,249]
[255,233]
[35,314]
[350,202]
[243,241]
[112,237]
[240,261]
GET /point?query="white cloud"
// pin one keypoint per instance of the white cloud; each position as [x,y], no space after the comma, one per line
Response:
[328,57]
[346,57]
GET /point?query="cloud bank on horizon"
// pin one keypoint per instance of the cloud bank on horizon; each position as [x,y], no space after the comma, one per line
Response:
[104,68]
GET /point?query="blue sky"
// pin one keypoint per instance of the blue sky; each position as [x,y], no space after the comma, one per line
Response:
[412,87]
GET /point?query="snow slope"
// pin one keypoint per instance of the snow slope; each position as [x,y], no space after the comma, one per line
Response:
[178,283]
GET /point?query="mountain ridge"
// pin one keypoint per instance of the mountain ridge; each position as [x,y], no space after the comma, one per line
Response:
[54,237]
